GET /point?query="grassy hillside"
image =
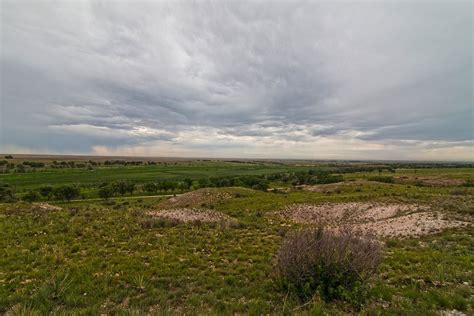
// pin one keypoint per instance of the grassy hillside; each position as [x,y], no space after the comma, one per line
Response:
[111,257]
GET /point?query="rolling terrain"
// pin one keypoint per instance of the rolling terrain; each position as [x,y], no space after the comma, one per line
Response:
[212,250]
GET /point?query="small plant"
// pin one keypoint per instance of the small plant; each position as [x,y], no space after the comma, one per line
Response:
[7,193]
[460,192]
[151,222]
[23,310]
[53,291]
[139,283]
[383,179]
[333,264]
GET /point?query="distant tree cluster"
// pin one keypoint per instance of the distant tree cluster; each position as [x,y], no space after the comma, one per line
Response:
[256,182]
[33,164]
[7,194]
[63,193]
[168,186]
[6,166]
[107,190]
[123,163]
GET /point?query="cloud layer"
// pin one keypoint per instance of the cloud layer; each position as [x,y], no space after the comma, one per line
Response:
[238,79]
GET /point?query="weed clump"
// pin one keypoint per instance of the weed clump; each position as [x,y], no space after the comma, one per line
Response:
[149,222]
[333,264]
[383,179]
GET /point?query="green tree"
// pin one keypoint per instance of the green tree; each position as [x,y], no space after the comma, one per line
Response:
[66,192]
[204,183]
[169,186]
[130,187]
[182,186]
[45,191]
[121,187]
[31,196]
[150,187]
[20,169]
[6,193]
[106,191]
[188,183]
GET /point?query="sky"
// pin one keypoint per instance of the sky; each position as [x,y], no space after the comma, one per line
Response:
[238,79]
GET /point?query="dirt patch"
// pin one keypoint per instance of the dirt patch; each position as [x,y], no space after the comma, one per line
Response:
[343,213]
[186,215]
[387,220]
[45,207]
[198,198]
[412,225]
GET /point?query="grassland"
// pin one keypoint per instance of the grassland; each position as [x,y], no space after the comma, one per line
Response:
[140,174]
[95,257]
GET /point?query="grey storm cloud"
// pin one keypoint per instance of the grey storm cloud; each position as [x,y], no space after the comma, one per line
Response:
[124,75]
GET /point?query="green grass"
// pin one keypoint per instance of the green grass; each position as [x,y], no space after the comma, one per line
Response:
[92,258]
[433,273]
[139,174]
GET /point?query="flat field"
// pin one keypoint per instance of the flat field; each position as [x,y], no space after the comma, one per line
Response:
[173,170]
[139,255]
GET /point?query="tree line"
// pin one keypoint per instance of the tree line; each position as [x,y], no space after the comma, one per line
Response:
[106,190]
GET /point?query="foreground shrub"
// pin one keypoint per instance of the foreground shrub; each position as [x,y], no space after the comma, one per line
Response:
[333,264]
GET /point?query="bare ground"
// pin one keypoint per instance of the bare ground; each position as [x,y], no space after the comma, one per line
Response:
[386,220]
[41,206]
[187,215]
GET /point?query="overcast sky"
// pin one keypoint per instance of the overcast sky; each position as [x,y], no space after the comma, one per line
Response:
[266,79]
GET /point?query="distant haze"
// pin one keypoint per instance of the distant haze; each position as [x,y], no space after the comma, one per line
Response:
[256,79]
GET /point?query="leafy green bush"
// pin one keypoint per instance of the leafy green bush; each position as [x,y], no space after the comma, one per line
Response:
[106,191]
[6,193]
[150,222]
[31,196]
[66,192]
[46,191]
[333,264]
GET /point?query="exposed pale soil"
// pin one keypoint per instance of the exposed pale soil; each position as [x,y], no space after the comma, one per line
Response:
[412,225]
[45,207]
[386,220]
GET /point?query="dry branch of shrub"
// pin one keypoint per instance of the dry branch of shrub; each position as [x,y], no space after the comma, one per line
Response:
[335,263]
